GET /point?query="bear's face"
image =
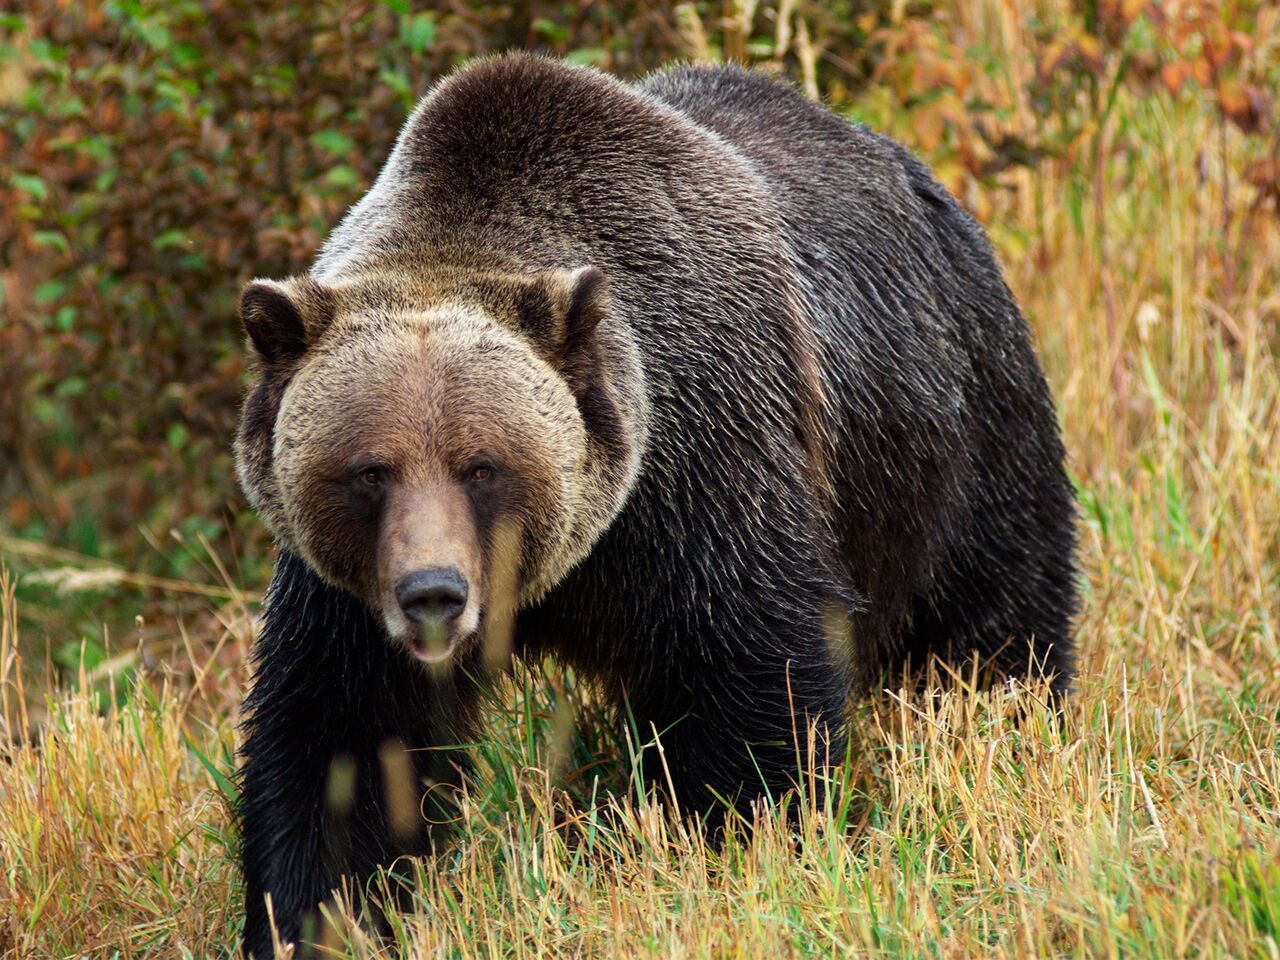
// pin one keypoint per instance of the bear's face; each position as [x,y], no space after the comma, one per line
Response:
[445,463]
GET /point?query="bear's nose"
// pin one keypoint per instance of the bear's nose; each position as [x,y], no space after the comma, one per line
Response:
[439,593]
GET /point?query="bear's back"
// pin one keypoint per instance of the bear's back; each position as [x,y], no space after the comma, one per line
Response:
[939,402]
[524,162]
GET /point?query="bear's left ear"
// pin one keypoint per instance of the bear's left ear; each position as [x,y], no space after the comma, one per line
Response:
[284,318]
[561,311]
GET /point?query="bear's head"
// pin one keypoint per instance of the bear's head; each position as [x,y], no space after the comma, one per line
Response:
[445,453]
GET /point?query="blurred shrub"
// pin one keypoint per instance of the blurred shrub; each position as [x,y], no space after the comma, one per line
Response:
[156,154]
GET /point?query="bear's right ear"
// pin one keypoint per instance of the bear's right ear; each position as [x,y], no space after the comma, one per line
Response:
[284,318]
[561,310]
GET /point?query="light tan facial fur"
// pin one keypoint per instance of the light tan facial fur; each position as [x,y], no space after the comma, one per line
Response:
[365,459]
[429,526]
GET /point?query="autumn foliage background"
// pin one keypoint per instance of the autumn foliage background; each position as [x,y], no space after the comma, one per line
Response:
[157,154]
[1125,159]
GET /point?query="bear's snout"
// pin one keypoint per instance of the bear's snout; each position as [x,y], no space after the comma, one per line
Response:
[430,579]
[433,600]
[438,594]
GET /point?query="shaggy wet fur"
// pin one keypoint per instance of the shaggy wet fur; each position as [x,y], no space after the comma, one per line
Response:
[844,450]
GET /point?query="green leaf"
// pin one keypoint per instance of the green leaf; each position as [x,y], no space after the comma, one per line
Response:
[224,783]
[46,53]
[177,435]
[30,183]
[70,654]
[185,54]
[397,81]
[342,176]
[1175,508]
[49,291]
[1094,509]
[587,56]
[334,142]
[170,238]
[71,387]
[52,239]
[97,147]
[1153,385]
[418,32]
[172,92]
[549,29]
[156,36]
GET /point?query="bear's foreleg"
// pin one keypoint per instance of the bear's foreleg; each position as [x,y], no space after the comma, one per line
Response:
[337,772]
[728,719]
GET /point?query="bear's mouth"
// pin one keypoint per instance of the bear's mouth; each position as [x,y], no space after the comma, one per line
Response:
[431,640]
[433,650]
[435,642]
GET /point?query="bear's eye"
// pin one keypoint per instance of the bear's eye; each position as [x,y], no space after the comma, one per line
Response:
[371,476]
[481,473]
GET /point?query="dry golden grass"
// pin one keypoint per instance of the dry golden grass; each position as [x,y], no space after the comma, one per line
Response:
[1146,823]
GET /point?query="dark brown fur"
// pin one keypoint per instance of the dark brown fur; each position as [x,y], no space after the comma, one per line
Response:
[766,420]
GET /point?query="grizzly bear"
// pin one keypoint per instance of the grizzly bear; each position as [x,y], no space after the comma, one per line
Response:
[712,395]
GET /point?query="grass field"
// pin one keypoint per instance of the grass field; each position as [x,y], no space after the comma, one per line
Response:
[1145,824]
